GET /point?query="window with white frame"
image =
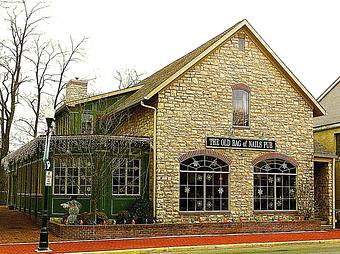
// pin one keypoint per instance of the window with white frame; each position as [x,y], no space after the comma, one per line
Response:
[204,184]
[126,177]
[86,124]
[274,185]
[240,108]
[72,176]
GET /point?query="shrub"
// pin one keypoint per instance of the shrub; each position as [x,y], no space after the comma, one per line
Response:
[142,211]
[87,218]
[123,217]
[101,217]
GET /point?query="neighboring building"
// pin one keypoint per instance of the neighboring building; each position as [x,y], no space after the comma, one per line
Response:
[231,132]
[80,147]
[327,129]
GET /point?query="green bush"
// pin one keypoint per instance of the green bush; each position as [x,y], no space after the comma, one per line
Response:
[123,217]
[101,217]
[88,218]
[142,211]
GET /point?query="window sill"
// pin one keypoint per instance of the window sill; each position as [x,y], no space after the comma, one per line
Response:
[241,127]
[203,212]
[69,195]
[276,212]
[125,195]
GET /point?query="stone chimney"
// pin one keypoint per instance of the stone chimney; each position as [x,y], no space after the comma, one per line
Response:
[76,89]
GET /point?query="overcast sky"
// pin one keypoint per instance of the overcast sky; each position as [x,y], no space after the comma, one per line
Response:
[147,35]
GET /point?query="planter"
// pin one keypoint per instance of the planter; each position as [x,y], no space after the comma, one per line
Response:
[92,232]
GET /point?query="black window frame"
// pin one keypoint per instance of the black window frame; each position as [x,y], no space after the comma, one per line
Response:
[204,184]
[275,185]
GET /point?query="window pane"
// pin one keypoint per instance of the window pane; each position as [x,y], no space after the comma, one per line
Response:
[126,177]
[183,205]
[224,204]
[274,172]
[241,44]
[114,189]
[205,188]
[183,178]
[191,205]
[257,204]
[86,124]
[240,108]
[292,204]
[264,204]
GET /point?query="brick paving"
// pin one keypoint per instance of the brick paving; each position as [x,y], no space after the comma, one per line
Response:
[16,227]
[126,244]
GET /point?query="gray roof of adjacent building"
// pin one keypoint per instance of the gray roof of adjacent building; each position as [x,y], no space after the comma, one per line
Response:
[330,100]
[321,151]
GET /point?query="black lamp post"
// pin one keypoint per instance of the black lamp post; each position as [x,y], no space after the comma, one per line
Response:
[43,244]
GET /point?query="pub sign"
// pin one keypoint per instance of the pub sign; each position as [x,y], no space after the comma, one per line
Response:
[240,143]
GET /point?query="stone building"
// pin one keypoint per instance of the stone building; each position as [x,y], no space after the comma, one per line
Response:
[327,131]
[231,132]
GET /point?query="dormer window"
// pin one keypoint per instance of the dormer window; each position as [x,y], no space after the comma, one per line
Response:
[241,105]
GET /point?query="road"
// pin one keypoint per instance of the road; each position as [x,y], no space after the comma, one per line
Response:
[300,248]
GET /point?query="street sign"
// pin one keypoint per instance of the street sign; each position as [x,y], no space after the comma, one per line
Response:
[48,179]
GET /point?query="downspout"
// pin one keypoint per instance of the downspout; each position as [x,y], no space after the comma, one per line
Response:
[154,147]
[333,222]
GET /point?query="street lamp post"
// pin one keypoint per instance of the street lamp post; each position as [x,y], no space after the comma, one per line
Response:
[43,244]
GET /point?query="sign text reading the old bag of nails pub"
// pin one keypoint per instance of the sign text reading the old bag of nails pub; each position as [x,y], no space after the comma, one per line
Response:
[239,143]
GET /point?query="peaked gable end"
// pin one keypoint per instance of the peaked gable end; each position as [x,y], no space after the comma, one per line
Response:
[330,100]
[160,79]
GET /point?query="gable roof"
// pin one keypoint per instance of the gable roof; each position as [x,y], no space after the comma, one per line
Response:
[157,81]
[330,88]
[99,97]
[321,151]
[329,99]
[104,95]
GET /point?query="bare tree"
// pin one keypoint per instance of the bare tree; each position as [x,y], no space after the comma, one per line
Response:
[43,55]
[74,53]
[23,22]
[127,77]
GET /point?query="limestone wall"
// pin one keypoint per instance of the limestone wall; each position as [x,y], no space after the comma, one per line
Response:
[323,191]
[138,121]
[199,104]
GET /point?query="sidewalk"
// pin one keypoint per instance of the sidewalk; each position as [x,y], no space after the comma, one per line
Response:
[164,242]
[16,226]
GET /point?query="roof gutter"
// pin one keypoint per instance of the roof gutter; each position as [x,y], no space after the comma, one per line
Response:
[154,147]
[333,194]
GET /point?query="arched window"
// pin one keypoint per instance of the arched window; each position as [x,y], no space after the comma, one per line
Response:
[204,184]
[274,185]
[240,105]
